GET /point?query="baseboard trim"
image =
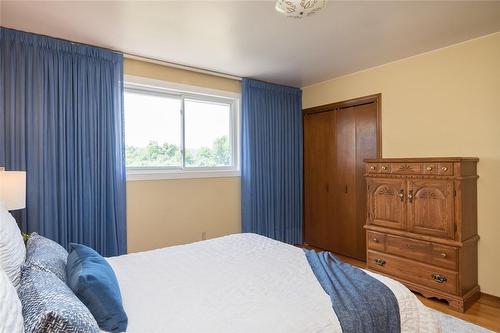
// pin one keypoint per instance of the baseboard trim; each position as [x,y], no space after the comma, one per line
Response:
[490,299]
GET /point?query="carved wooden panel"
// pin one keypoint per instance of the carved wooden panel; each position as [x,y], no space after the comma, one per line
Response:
[386,202]
[406,168]
[430,207]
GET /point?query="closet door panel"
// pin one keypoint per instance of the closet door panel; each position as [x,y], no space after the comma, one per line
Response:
[319,154]
[345,229]
[356,134]
[366,147]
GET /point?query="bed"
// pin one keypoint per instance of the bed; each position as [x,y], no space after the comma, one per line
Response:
[238,283]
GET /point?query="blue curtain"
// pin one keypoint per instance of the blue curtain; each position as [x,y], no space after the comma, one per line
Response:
[271,161]
[61,120]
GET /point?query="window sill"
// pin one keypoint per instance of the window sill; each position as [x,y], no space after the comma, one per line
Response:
[138,175]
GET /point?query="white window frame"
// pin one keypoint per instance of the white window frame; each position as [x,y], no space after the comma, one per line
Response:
[183,91]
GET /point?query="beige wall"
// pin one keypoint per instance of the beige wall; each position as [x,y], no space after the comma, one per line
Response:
[171,74]
[442,103]
[169,212]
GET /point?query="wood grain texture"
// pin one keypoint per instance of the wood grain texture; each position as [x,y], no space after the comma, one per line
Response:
[431,212]
[367,144]
[407,270]
[346,228]
[386,207]
[319,166]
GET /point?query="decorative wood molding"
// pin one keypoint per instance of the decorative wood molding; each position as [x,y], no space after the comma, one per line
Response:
[385,190]
[385,175]
[422,159]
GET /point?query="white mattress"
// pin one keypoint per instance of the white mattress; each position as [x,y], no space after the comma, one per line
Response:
[238,283]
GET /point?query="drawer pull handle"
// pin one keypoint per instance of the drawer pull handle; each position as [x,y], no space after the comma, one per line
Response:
[384,167]
[375,240]
[402,195]
[444,169]
[439,278]
[410,196]
[429,168]
[380,262]
[372,167]
[443,255]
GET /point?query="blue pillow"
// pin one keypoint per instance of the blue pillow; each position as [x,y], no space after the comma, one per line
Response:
[50,306]
[92,279]
[47,255]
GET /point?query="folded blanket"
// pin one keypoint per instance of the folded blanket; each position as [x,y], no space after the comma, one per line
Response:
[362,303]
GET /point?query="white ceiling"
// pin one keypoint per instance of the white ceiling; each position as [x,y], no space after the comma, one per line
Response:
[248,38]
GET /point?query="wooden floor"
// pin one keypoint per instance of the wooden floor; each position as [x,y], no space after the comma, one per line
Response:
[485,312]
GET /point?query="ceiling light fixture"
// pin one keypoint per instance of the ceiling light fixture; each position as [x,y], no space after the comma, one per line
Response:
[299,8]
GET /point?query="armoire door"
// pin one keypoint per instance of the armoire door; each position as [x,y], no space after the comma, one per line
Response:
[319,168]
[387,202]
[431,208]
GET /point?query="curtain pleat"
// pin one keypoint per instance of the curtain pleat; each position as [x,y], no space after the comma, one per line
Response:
[271,161]
[61,120]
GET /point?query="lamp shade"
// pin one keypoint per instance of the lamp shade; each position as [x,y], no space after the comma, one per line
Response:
[13,189]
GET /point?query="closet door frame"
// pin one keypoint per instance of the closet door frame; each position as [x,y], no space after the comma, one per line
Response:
[376,98]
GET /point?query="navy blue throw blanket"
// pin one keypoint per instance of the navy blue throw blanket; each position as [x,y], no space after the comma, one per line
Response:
[361,302]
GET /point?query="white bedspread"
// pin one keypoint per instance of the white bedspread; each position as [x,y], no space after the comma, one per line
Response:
[239,283]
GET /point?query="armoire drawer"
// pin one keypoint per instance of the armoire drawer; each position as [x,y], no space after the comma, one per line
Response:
[413,271]
[372,168]
[442,169]
[445,169]
[430,168]
[375,240]
[408,248]
[407,168]
[427,252]
[444,256]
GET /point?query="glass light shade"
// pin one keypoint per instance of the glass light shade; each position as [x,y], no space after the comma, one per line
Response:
[13,189]
[299,8]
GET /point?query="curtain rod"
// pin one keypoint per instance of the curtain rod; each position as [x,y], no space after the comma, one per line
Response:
[174,65]
[142,58]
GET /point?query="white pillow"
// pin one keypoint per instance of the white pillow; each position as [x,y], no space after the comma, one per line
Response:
[12,249]
[11,313]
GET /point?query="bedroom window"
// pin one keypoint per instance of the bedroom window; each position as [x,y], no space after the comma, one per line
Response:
[171,133]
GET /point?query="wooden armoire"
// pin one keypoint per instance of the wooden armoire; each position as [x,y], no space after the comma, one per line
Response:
[422,225]
[337,138]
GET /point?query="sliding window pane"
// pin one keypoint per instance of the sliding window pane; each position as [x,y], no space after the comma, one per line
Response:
[207,133]
[152,130]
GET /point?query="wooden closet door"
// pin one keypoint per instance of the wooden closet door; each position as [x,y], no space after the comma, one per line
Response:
[319,166]
[356,135]
[366,147]
[345,229]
